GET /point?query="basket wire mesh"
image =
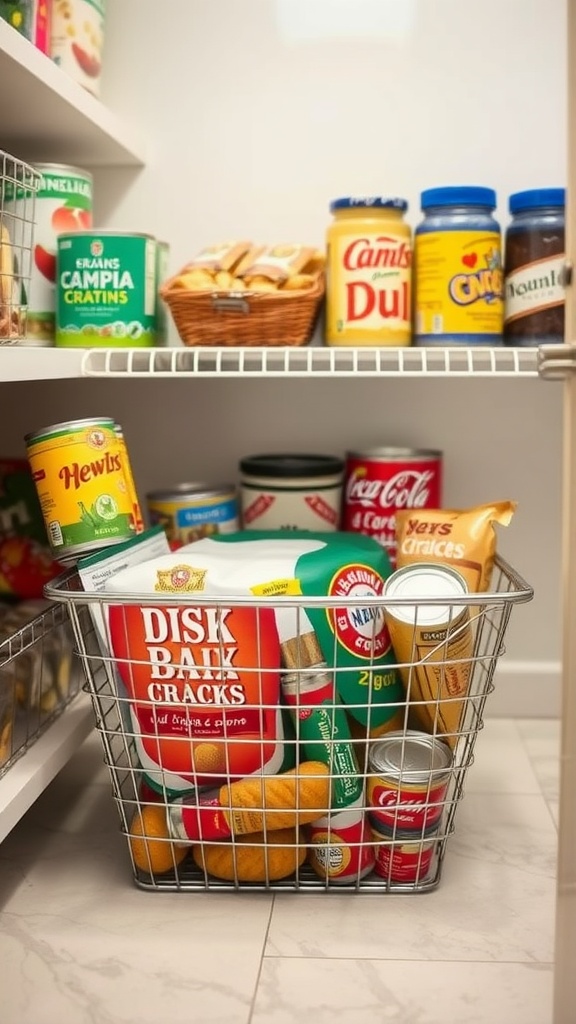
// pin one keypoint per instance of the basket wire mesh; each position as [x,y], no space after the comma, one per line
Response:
[19,184]
[391,834]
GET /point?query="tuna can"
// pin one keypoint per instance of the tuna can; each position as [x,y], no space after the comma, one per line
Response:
[291,492]
[190,511]
[63,203]
[408,781]
[433,641]
[106,290]
[380,481]
[406,860]
[79,471]
[339,846]
[77,38]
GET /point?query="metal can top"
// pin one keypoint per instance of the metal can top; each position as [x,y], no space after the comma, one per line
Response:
[105,232]
[63,169]
[67,426]
[196,491]
[395,454]
[425,580]
[411,755]
[285,466]
[403,836]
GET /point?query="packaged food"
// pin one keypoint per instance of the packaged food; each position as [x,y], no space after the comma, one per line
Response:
[223,256]
[277,262]
[462,539]
[26,563]
[190,511]
[257,857]
[291,491]
[77,40]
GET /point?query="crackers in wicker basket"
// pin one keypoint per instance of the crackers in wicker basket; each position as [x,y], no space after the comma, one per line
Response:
[241,294]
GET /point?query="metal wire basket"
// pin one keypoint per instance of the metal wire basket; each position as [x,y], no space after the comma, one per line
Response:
[19,184]
[336,802]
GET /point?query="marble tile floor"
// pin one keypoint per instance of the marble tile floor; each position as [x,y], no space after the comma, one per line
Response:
[80,943]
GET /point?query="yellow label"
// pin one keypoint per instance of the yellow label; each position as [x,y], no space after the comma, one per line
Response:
[369,276]
[81,484]
[459,286]
[278,588]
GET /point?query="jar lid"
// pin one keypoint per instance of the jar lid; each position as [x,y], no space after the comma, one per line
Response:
[284,466]
[369,202]
[458,195]
[536,197]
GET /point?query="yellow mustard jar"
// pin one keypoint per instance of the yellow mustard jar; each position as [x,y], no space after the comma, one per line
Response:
[369,273]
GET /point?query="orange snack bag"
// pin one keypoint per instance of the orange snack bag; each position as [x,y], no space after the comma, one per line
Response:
[463,539]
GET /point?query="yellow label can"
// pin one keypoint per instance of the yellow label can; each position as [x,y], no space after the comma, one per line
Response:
[79,469]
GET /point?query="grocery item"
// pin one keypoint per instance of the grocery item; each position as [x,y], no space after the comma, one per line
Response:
[63,203]
[42,25]
[534,268]
[18,14]
[224,256]
[433,643]
[368,297]
[162,258]
[462,538]
[258,857]
[405,860]
[277,262]
[26,563]
[189,511]
[260,804]
[408,781]
[129,478]
[379,482]
[77,38]
[150,844]
[291,492]
[106,290]
[339,847]
[458,267]
[41,674]
[79,472]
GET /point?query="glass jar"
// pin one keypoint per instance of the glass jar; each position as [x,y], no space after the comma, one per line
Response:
[534,268]
[458,268]
[369,273]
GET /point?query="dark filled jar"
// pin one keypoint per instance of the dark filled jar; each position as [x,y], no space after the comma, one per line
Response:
[534,268]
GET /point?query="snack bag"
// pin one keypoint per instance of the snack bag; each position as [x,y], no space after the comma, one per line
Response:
[463,539]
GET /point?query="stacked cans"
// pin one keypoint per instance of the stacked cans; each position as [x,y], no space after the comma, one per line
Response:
[406,792]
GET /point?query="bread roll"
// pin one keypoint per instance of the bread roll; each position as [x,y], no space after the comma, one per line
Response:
[253,858]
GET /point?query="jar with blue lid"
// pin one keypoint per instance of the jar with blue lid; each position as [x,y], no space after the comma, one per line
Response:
[534,268]
[458,268]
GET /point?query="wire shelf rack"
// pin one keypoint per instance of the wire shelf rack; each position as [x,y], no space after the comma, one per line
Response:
[18,186]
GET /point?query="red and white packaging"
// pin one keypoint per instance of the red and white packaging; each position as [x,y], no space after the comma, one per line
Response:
[379,482]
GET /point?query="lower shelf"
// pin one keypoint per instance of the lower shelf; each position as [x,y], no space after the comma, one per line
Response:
[32,773]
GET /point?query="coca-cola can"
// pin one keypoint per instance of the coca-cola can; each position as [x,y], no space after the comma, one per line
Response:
[408,782]
[380,481]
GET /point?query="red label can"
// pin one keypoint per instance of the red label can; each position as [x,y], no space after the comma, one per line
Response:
[380,481]
[406,861]
[339,846]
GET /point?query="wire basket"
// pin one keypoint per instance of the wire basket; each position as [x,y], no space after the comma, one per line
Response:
[337,803]
[19,184]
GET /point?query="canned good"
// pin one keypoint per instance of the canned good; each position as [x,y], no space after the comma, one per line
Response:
[380,481]
[407,861]
[339,847]
[18,14]
[162,258]
[106,290]
[190,511]
[291,492]
[408,781]
[63,203]
[79,471]
[42,25]
[459,287]
[130,482]
[77,38]
[433,641]
[369,272]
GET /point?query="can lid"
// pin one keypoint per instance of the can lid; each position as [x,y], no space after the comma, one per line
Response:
[369,202]
[285,466]
[533,198]
[458,195]
[415,835]
[393,454]
[420,581]
[194,490]
[413,755]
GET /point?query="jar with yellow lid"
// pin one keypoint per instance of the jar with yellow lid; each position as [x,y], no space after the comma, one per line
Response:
[369,273]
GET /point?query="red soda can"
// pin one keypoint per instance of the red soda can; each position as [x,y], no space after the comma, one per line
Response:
[340,850]
[405,859]
[380,481]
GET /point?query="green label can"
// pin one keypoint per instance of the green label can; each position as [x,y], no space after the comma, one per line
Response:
[162,259]
[106,290]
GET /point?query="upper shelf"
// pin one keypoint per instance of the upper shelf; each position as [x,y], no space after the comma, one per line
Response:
[22,363]
[47,116]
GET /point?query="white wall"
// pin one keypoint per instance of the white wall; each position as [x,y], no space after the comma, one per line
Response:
[258,112]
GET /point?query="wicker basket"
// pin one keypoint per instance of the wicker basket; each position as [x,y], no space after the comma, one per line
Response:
[244,318]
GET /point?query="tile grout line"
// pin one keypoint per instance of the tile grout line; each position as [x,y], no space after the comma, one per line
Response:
[546,798]
[262,958]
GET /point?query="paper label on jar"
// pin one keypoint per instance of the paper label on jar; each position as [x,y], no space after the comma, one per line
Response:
[459,283]
[535,287]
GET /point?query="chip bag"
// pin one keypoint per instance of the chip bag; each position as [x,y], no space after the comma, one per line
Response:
[463,539]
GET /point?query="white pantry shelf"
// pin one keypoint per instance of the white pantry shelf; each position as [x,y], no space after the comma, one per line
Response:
[28,777]
[47,116]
